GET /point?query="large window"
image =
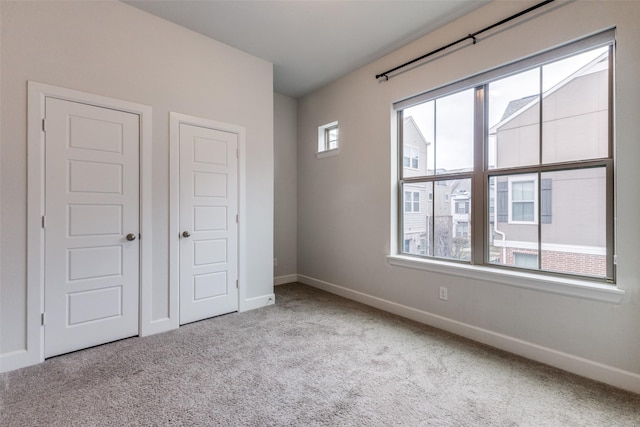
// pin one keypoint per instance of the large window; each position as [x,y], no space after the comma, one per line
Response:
[519,162]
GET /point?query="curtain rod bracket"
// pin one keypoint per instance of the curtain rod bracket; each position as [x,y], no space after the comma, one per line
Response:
[471,36]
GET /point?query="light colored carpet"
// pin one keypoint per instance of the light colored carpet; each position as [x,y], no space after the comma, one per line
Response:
[311,359]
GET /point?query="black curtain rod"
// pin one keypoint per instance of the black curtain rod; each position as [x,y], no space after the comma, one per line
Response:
[470,36]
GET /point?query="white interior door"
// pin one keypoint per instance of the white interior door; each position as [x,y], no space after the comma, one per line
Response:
[91,225]
[208,222]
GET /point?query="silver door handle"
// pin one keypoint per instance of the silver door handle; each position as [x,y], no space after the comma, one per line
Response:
[131,237]
[186,234]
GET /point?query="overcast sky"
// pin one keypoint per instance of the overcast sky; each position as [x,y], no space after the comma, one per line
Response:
[452,131]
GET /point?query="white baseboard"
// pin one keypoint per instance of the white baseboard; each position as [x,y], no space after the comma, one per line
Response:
[258,302]
[158,326]
[288,278]
[580,366]
[18,359]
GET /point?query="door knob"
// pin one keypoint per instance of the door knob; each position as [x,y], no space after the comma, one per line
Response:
[186,234]
[131,237]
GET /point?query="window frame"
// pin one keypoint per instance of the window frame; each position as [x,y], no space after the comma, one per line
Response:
[482,173]
[324,142]
[328,139]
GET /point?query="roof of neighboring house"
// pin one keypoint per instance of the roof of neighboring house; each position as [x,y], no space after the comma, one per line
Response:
[408,121]
[461,187]
[519,106]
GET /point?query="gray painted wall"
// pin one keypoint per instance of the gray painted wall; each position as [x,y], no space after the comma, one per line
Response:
[114,50]
[338,245]
[286,185]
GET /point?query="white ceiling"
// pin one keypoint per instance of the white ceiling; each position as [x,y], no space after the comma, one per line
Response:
[311,43]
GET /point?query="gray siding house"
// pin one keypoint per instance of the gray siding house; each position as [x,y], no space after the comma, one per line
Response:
[435,215]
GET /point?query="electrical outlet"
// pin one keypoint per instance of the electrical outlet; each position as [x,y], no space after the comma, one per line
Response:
[444,294]
[275,262]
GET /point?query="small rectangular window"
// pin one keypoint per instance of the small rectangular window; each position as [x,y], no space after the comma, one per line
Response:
[328,140]
[331,137]
[412,201]
[525,260]
[523,201]
[462,230]
[462,207]
[411,158]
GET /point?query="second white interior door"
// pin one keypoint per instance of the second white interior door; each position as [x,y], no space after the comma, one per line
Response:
[208,222]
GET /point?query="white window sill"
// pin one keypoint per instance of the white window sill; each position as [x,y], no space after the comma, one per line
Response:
[328,153]
[557,285]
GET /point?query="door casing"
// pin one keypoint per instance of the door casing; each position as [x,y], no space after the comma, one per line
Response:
[37,94]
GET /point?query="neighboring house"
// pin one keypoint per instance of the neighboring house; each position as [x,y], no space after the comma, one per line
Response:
[429,225]
[417,198]
[572,231]
[460,219]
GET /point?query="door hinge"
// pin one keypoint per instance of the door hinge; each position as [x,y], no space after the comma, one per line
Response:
[44,221]
[44,125]
[42,319]
[237,219]
[237,153]
[237,283]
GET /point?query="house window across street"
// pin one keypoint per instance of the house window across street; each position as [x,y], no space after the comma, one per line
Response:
[523,201]
[412,201]
[411,158]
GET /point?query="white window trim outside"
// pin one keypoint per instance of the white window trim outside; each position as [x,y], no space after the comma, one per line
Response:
[524,178]
[323,144]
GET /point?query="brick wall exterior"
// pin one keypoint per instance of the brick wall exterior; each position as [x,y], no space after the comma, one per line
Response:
[566,262]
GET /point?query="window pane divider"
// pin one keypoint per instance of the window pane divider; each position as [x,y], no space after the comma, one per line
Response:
[433,178]
[552,167]
[479,225]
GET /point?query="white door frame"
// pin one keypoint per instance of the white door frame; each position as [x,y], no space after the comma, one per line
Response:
[175,119]
[37,93]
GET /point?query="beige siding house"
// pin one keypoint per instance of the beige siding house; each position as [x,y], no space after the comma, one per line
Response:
[570,203]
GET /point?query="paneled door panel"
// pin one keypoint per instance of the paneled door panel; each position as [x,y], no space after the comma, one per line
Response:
[91,205]
[208,222]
